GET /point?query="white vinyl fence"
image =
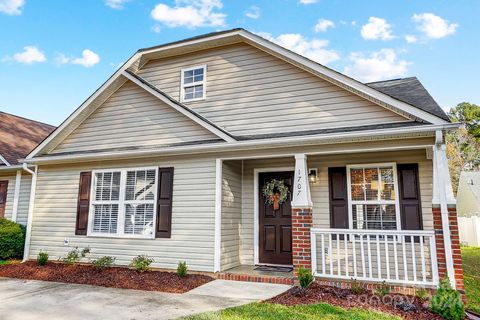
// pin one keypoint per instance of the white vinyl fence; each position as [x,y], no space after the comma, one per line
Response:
[469,229]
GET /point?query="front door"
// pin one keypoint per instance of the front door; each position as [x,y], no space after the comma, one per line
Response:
[3,197]
[275,226]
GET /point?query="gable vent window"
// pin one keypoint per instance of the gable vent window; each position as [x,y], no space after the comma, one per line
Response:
[193,84]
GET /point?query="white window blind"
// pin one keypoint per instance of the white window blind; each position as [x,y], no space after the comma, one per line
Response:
[123,202]
[373,197]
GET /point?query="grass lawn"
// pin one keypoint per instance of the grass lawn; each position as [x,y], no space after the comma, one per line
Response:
[471,270]
[299,312]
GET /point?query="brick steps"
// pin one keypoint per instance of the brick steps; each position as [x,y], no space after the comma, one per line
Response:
[254,278]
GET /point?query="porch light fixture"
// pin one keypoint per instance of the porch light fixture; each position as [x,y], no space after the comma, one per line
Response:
[312,175]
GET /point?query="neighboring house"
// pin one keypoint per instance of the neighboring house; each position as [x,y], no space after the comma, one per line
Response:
[468,207]
[18,137]
[171,156]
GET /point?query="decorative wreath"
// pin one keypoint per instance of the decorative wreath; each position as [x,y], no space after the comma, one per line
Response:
[275,192]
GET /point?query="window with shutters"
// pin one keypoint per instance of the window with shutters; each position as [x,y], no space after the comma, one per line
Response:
[124,203]
[373,197]
[193,84]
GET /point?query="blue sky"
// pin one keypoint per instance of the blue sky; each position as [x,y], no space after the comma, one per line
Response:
[55,53]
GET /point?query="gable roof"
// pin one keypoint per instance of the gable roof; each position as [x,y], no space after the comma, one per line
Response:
[217,39]
[411,91]
[19,136]
[472,180]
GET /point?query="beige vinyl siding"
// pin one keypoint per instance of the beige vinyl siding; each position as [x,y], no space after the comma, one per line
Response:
[133,117]
[192,238]
[319,190]
[252,92]
[23,199]
[231,213]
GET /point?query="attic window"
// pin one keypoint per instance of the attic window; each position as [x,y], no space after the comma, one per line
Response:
[193,83]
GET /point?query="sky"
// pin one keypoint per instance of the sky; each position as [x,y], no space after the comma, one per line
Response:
[54,53]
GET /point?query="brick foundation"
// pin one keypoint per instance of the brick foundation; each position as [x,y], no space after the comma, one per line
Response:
[456,252]
[254,278]
[346,284]
[302,222]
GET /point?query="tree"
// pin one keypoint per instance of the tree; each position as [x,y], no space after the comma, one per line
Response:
[463,145]
[468,114]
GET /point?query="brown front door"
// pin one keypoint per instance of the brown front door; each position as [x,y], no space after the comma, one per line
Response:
[3,197]
[275,226]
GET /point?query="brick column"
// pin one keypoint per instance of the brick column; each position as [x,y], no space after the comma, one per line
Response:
[455,238]
[302,222]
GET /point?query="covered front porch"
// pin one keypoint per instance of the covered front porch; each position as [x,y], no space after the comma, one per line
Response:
[371,227]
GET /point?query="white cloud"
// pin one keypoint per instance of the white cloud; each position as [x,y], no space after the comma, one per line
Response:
[411,38]
[190,13]
[88,59]
[377,28]
[314,49]
[323,25]
[116,4]
[29,55]
[380,65]
[253,12]
[434,26]
[308,1]
[12,7]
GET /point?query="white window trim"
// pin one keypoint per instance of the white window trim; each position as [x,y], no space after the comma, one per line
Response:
[395,181]
[121,205]
[183,85]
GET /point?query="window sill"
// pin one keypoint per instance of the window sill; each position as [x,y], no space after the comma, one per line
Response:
[111,236]
[192,100]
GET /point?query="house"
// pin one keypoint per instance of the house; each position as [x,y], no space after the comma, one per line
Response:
[239,156]
[18,136]
[468,207]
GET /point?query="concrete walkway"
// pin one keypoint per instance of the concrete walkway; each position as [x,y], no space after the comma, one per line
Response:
[35,300]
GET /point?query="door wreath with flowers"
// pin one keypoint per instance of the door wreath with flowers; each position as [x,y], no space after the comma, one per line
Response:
[275,193]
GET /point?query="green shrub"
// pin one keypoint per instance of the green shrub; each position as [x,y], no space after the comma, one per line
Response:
[42,258]
[182,269]
[103,262]
[305,277]
[382,290]
[422,294]
[74,256]
[141,263]
[447,302]
[12,239]
[357,287]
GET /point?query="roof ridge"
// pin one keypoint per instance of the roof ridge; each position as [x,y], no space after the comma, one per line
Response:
[24,118]
[200,36]
[388,80]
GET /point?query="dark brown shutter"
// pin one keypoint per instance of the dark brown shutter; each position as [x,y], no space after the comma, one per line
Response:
[337,185]
[410,206]
[3,197]
[164,207]
[83,205]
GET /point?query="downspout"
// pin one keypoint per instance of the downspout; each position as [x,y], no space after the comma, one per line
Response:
[30,209]
[442,189]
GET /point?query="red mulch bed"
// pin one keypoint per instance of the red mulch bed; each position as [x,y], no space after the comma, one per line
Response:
[114,277]
[390,304]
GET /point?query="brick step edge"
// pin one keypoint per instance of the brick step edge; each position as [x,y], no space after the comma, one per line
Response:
[254,278]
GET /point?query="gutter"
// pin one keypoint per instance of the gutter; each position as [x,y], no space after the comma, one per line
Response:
[247,145]
[31,204]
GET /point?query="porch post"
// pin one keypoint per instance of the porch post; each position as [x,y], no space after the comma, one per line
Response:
[445,219]
[302,216]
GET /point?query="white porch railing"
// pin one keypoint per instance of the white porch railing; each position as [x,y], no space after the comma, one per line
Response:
[393,256]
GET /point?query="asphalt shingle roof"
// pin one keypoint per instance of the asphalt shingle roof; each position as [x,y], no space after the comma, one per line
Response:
[411,91]
[472,178]
[19,136]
